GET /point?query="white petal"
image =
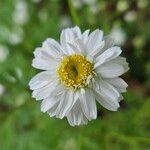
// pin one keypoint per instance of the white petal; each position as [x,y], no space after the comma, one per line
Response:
[45,91]
[98,49]
[122,61]
[109,42]
[88,104]
[85,36]
[66,37]
[40,80]
[106,102]
[52,110]
[107,89]
[66,103]
[75,48]
[108,55]
[94,39]
[113,68]
[69,35]
[110,70]
[119,83]
[81,47]
[120,98]
[38,52]
[44,64]
[45,53]
[48,103]
[76,32]
[76,115]
[58,90]
[78,47]
[53,48]
[44,59]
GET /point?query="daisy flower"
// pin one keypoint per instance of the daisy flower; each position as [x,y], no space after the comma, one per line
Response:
[80,70]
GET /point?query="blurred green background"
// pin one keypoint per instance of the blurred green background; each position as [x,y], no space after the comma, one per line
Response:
[24,24]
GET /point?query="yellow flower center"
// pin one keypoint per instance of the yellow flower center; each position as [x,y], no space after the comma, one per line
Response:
[75,70]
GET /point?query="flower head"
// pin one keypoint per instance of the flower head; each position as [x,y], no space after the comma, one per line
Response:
[80,70]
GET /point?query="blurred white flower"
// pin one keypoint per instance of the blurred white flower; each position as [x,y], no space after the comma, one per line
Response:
[2,90]
[79,3]
[122,5]
[118,35]
[19,72]
[20,99]
[16,36]
[43,15]
[65,21]
[142,3]
[94,8]
[130,16]
[3,53]
[82,69]
[70,144]
[89,1]
[10,78]
[138,41]
[20,15]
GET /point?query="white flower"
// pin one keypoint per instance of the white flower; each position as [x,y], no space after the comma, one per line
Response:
[142,3]
[89,1]
[118,35]
[80,70]
[122,6]
[3,53]
[80,3]
[20,15]
[65,21]
[94,8]
[16,36]
[2,90]
[130,16]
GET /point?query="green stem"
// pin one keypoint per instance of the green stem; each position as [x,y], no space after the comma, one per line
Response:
[74,14]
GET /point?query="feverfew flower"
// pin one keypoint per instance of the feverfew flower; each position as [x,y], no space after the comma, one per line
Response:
[65,22]
[20,15]
[80,70]
[130,16]
[94,8]
[2,90]
[80,3]
[118,35]
[142,3]
[3,53]
[122,6]
[16,36]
